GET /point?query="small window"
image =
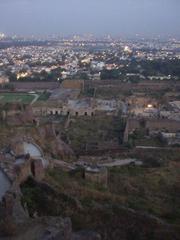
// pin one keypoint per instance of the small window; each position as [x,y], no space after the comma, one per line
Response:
[77,114]
[85,114]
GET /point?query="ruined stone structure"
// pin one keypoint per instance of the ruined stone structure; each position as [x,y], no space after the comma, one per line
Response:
[16,114]
[78,107]
[153,125]
[142,101]
[66,110]
[17,165]
[29,167]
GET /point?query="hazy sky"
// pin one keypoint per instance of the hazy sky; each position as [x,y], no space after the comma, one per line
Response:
[117,17]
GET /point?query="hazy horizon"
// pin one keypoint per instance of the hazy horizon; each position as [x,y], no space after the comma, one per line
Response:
[100,17]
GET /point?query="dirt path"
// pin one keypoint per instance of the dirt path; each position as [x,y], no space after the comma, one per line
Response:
[36,96]
[119,162]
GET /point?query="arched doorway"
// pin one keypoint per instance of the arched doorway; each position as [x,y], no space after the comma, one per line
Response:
[33,169]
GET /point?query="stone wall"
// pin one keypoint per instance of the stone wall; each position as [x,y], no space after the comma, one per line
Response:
[12,212]
[73,84]
[30,167]
[141,86]
[37,169]
[63,111]
[22,171]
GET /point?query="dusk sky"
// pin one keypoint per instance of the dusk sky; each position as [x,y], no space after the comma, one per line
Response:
[116,17]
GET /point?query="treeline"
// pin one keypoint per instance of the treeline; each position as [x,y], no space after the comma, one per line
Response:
[145,68]
[54,75]
[158,67]
[7,86]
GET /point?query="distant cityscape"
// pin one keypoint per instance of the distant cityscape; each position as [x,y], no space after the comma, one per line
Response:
[89,138]
[55,59]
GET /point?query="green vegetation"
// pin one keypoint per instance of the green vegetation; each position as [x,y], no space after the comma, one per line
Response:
[89,133]
[140,138]
[89,92]
[16,97]
[114,92]
[110,74]
[158,67]
[154,190]
[44,96]
[54,75]
[24,98]
[69,195]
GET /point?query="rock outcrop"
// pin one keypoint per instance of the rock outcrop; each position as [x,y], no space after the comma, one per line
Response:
[17,114]
[55,145]
[11,213]
[49,228]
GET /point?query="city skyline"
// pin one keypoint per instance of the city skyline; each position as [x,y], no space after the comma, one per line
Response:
[126,18]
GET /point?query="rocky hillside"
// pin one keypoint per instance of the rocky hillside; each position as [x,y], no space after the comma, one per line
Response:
[93,208]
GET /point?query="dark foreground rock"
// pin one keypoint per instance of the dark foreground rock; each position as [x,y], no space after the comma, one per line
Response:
[86,235]
[50,228]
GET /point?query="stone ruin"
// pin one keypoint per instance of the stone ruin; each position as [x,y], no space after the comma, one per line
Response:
[16,165]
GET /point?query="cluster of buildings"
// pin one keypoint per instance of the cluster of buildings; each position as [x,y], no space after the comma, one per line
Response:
[152,108]
[77,107]
[85,59]
[78,66]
